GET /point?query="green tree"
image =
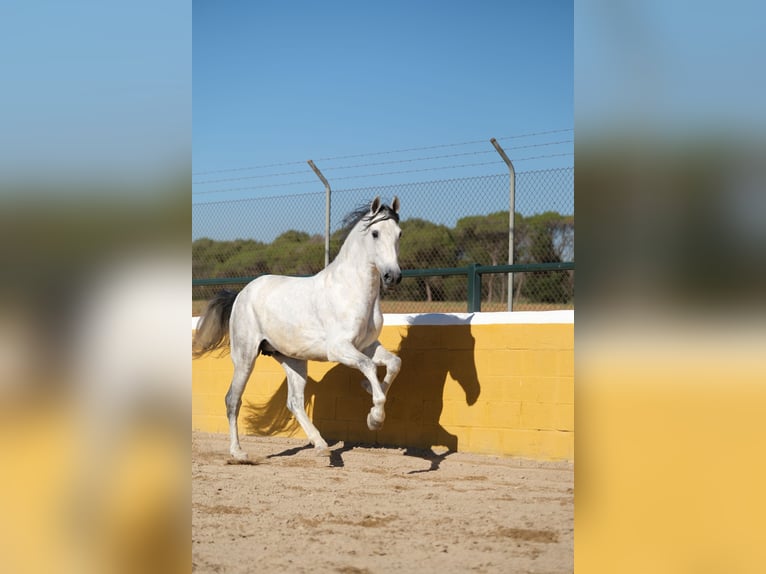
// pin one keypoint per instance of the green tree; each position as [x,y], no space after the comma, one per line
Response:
[426,245]
[296,253]
[483,239]
[250,260]
[201,266]
[539,245]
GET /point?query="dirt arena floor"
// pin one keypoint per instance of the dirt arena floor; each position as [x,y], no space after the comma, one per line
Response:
[368,509]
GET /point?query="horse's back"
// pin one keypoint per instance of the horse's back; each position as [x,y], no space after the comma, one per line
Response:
[279,293]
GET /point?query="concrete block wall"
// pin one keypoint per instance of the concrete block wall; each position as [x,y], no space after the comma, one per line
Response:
[494,383]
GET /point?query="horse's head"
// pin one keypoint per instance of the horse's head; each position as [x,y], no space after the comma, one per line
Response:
[381,232]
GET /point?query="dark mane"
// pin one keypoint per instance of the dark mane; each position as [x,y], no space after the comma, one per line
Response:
[362,213]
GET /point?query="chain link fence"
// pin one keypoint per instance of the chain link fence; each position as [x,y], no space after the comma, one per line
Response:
[446,224]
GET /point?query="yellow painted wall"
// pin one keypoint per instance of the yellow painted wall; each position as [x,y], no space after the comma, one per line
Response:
[504,389]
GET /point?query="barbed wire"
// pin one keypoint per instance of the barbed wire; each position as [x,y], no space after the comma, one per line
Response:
[400,172]
[265,186]
[251,199]
[371,154]
[392,162]
[495,162]
[440,146]
[261,176]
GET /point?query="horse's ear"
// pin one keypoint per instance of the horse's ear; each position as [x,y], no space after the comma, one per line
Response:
[395,205]
[375,206]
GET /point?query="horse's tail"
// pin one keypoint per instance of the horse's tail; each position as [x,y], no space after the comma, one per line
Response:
[213,326]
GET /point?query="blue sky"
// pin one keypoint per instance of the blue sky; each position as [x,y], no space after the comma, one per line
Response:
[670,69]
[283,82]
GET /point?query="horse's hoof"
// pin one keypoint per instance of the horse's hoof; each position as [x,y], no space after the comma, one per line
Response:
[321,451]
[372,424]
[239,455]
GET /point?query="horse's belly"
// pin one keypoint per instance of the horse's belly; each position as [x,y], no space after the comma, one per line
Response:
[299,344]
[313,346]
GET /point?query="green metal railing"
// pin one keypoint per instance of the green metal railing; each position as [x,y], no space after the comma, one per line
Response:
[473,272]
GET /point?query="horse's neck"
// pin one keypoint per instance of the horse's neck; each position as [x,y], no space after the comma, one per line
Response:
[353,269]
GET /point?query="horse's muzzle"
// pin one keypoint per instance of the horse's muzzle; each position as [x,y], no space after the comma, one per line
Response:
[392,278]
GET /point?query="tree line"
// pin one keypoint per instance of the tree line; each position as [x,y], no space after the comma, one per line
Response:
[483,239]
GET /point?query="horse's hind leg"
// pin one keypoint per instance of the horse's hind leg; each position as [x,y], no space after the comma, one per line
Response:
[243,359]
[296,384]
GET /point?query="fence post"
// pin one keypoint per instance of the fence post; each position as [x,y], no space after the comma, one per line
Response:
[511,215]
[474,288]
[328,193]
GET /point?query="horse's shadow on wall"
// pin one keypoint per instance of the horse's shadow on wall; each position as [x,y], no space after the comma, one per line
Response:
[431,356]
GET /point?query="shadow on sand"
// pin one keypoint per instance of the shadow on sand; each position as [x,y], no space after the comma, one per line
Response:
[413,408]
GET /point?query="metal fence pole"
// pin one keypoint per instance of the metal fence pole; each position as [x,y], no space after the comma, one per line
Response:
[511,215]
[328,193]
[474,288]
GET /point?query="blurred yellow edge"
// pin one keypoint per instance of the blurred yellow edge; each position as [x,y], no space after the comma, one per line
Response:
[67,507]
[670,474]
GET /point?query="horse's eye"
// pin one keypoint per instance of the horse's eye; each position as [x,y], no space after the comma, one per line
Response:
[374,233]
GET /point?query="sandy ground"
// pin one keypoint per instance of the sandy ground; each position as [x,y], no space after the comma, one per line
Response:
[368,509]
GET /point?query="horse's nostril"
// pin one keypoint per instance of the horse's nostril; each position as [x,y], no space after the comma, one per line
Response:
[391,278]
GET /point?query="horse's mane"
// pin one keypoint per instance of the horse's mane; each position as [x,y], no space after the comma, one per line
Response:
[362,213]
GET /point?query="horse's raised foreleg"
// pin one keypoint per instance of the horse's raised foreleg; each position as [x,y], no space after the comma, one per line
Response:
[243,366]
[348,355]
[382,357]
[296,384]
